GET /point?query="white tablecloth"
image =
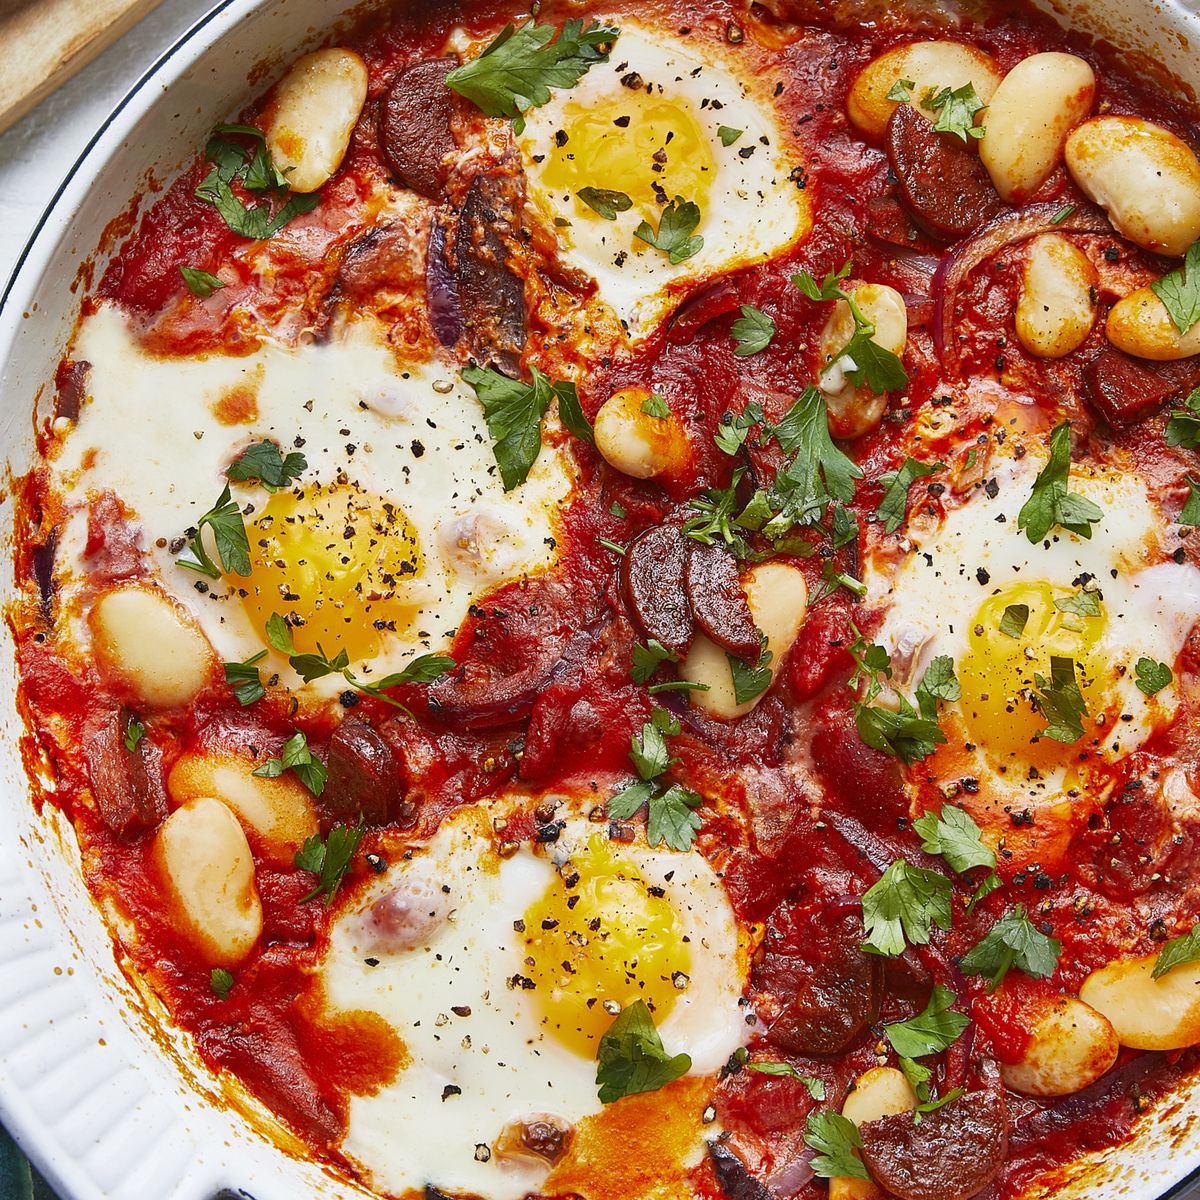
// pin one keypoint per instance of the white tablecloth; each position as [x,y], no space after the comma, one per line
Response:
[38,151]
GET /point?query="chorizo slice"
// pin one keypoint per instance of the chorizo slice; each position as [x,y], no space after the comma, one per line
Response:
[718,602]
[941,182]
[113,550]
[364,778]
[1124,389]
[952,1154]
[416,137]
[491,295]
[652,582]
[127,784]
[824,988]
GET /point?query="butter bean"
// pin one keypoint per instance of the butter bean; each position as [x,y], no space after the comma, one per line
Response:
[1055,310]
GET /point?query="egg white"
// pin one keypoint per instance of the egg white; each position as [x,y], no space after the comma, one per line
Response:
[507,1064]
[753,210]
[414,435]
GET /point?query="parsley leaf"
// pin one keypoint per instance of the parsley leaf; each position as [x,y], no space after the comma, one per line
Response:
[932,1030]
[631,1058]
[1152,676]
[245,680]
[901,90]
[902,907]
[297,758]
[514,412]
[257,223]
[728,134]
[329,858]
[834,1138]
[646,659]
[748,681]
[1081,603]
[1060,701]
[676,236]
[732,431]
[815,1087]
[715,507]
[263,462]
[955,110]
[938,683]
[907,733]
[655,406]
[221,981]
[517,70]
[1183,426]
[672,818]
[134,732]
[804,431]
[200,283]
[229,533]
[880,369]
[1013,941]
[1176,952]
[1190,513]
[1180,291]
[649,752]
[752,331]
[605,202]
[570,413]
[1016,617]
[894,506]
[1051,503]
[954,835]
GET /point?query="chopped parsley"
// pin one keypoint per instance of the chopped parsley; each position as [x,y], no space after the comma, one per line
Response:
[954,835]
[783,1070]
[1014,620]
[752,331]
[728,134]
[901,91]
[265,464]
[1180,291]
[221,981]
[519,67]
[1081,603]
[749,681]
[245,680]
[894,506]
[647,658]
[1013,941]
[903,906]
[934,1029]
[229,534]
[329,858]
[1176,952]
[869,363]
[834,1138]
[1152,676]
[1060,701]
[1183,425]
[200,283]
[732,431]
[605,202]
[655,406]
[1051,503]
[955,109]
[1190,513]
[631,1059]
[514,412]
[297,758]
[570,413]
[676,236]
[134,732]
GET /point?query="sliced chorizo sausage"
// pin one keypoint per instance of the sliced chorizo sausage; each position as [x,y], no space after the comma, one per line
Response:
[941,182]
[415,132]
[719,603]
[364,778]
[826,989]
[490,293]
[652,582]
[954,1152]
[127,784]
[1125,390]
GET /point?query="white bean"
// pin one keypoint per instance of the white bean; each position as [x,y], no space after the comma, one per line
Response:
[150,645]
[207,872]
[279,811]
[1139,324]
[879,1092]
[1146,178]
[854,411]
[778,600]
[1055,309]
[313,113]
[1071,1046]
[1036,105]
[1147,1013]
[926,65]
[635,442]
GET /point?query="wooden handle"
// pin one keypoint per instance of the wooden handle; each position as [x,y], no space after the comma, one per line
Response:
[44,42]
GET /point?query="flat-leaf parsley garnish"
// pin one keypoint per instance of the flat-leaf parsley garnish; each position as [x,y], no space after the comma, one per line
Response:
[265,464]
[329,858]
[297,758]
[1013,941]
[1180,291]
[631,1057]
[676,235]
[1051,503]
[224,519]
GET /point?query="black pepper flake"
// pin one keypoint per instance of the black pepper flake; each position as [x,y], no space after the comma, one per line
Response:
[1112,254]
[550,833]
[377,863]
[1180,555]
[746,151]
[621,122]
[461,1010]
[371,962]
[418,448]
[982,577]
[348,699]
[633,81]
[560,137]
[991,489]
[523,982]
[451,1089]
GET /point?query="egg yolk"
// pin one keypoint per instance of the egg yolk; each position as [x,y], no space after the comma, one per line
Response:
[661,153]
[998,672]
[597,940]
[336,560]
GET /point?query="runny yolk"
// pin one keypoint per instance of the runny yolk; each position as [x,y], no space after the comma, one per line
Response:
[336,558]
[998,673]
[597,940]
[661,153]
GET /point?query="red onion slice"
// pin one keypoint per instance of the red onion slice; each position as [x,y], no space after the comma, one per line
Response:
[445,311]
